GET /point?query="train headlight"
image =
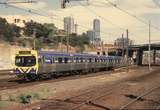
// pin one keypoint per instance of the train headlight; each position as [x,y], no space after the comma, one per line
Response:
[33,71]
[17,71]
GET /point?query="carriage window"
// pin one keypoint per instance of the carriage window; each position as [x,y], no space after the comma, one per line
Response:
[87,60]
[90,60]
[95,59]
[77,60]
[53,60]
[81,59]
[102,60]
[48,61]
[60,60]
[72,60]
[65,60]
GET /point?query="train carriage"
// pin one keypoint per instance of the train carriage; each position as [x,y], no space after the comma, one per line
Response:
[31,64]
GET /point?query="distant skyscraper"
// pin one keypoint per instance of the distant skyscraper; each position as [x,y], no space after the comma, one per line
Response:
[90,35]
[76,28]
[96,29]
[69,25]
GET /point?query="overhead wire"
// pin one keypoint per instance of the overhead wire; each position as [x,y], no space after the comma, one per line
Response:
[132,15]
[32,11]
[107,20]
[17,2]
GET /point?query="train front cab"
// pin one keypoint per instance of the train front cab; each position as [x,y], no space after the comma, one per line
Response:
[26,64]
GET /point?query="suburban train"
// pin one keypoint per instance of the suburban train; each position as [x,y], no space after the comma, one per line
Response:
[33,64]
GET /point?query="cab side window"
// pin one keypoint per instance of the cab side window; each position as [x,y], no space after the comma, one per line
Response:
[40,59]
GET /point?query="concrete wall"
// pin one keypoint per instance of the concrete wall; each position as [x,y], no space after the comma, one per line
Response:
[7,53]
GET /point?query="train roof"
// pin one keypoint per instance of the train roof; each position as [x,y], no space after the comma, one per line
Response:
[54,53]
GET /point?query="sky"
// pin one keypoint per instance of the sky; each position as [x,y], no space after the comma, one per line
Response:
[113,21]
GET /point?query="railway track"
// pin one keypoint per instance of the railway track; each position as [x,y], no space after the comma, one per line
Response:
[104,93]
[141,97]
[88,99]
[13,83]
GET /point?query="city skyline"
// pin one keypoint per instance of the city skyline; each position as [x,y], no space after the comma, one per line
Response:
[144,9]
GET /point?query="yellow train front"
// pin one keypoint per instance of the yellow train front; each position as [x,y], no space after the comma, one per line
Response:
[26,64]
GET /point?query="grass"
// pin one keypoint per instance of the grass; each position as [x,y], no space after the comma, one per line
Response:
[26,97]
[4,104]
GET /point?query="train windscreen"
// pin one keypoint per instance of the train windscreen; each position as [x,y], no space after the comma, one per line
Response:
[25,61]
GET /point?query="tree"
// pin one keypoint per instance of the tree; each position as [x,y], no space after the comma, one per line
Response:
[51,37]
[35,28]
[15,30]
[79,41]
[8,31]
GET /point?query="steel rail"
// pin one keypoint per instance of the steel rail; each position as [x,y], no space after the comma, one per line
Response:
[136,99]
[90,101]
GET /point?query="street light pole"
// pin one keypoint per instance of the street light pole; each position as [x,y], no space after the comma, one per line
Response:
[123,45]
[34,39]
[127,51]
[67,38]
[149,47]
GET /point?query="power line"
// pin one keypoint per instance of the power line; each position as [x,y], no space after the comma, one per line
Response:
[36,13]
[29,1]
[132,15]
[32,11]
[84,27]
[106,20]
[122,28]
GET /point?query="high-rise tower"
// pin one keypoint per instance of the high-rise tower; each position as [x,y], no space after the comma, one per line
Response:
[96,29]
[69,25]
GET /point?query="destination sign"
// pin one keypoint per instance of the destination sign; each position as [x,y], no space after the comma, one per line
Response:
[24,52]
